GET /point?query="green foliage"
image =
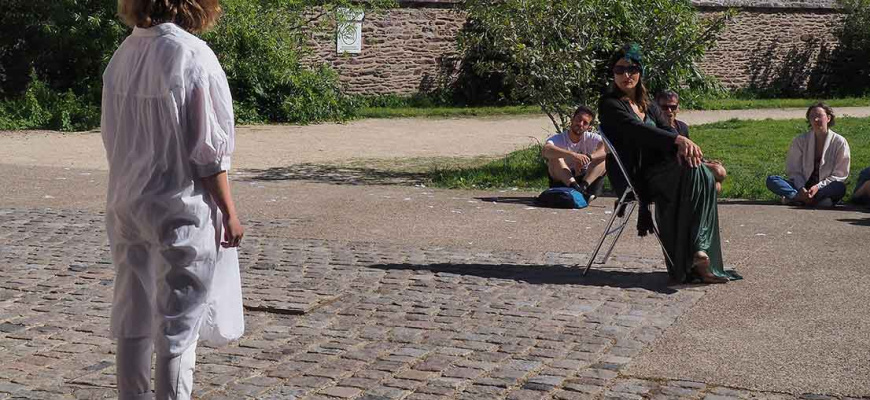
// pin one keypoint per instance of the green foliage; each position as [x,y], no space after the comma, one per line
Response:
[444,112]
[53,53]
[263,46]
[522,168]
[556,55]
[43,107]
[845,70]
[750,151]
[747,102]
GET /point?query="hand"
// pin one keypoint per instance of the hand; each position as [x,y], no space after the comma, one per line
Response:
[802,196]
[813,190]
[233,232]
[582,159]
[688,151]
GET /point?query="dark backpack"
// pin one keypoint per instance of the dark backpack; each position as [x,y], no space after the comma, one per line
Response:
[561,197]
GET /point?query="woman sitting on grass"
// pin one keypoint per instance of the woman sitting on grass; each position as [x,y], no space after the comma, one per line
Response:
[667,169]
[817,164]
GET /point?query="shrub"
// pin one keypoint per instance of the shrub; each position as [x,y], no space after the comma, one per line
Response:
[53,53]
[845,70]
[556,54]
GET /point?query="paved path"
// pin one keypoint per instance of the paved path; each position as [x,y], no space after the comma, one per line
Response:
[362,291]
[388,292]
[275,146]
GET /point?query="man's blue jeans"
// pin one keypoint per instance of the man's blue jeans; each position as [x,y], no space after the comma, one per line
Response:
[782,187]
[863,179]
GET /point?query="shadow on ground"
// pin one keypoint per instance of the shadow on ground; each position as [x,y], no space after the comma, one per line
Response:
[529,201]
[333,174]
[856,221]
[654,281]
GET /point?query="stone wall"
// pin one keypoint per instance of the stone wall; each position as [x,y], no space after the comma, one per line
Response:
[771,47]
[768,42]
[402,50]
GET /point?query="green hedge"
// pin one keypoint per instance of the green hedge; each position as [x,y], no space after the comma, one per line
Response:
[52,55]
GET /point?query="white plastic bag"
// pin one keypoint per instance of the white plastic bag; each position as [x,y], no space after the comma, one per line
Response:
[224,319]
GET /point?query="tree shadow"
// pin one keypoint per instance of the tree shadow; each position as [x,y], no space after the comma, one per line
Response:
[654,281]
[338,175]
[780,71]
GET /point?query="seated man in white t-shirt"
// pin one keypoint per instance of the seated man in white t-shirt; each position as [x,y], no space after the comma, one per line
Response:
[575,158]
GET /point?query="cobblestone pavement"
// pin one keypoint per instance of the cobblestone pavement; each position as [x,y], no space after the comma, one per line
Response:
[351,320]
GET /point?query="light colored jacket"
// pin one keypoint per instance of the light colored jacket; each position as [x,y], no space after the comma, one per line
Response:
[833,167]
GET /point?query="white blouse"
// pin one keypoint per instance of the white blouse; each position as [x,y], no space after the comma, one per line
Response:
[834,165]
[167,121]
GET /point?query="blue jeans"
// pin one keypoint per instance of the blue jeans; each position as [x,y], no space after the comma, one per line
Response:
[782,187]
[863,178]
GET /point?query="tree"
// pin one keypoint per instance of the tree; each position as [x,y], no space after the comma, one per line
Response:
[53,53]
[554,53]
[845,69]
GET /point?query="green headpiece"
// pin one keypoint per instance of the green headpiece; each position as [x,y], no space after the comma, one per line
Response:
[633,54]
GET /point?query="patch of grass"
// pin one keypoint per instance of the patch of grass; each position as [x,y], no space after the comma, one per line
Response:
[523,168]
[441,112]
[750,151]
[746,104]
[414,110]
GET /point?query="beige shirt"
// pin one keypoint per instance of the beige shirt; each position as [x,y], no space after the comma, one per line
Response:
[834,166]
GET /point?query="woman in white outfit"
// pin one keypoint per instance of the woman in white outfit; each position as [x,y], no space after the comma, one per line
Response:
[167,125]
[817,164]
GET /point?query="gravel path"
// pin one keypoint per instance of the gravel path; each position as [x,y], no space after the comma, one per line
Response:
[265,146]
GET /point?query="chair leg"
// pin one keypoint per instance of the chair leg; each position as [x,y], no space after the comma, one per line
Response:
[625,218]
[600,243]
[662,244]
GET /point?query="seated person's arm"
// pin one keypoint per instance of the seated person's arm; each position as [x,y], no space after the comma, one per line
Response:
[600,152]
[842,162]
[552,152]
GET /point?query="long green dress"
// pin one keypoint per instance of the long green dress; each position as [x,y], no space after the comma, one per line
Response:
[687,216]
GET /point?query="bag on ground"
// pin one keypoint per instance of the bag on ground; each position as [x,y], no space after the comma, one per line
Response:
[561,197]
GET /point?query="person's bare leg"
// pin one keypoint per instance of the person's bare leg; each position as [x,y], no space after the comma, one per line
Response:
[719,174]
[559,170]
[701,265]
[595,171]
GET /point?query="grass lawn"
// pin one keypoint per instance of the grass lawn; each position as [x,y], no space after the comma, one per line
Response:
[745,104]
[707,104]
[440,112]
[750,150]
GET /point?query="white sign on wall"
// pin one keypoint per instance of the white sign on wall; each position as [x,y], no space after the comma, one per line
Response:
[348,35]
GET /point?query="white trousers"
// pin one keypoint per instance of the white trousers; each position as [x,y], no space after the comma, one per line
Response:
[173,378]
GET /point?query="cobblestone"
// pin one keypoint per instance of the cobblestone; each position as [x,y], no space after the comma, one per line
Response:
[356,320]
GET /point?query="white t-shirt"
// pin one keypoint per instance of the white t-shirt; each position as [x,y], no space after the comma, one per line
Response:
[588,143]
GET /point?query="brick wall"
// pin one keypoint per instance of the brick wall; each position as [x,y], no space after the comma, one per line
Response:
[769,42]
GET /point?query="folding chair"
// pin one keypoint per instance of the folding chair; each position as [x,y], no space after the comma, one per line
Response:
[622,210]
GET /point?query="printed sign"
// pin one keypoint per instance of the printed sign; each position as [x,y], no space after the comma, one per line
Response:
[349,31]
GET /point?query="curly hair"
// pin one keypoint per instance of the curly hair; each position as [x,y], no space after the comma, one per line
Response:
[823,106]
[194,16]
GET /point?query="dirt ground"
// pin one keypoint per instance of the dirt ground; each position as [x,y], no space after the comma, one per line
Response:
[268,146]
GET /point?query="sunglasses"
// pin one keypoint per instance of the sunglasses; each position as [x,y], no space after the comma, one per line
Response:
[621,69]
[670,107]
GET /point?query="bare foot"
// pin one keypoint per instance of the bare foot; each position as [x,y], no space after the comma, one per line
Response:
[701,265]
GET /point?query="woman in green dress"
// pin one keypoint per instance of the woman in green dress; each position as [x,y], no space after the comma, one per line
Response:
[666,169]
